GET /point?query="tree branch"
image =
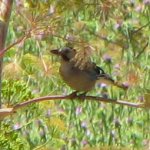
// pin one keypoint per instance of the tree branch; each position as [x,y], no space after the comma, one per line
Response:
[139,54]
[139,29]
[80,97]
[8,111]
[5,11]
[13,44]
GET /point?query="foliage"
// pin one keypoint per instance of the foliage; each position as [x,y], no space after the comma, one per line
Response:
[116,34]
[10,139]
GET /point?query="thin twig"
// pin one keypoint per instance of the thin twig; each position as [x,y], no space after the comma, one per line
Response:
[104,38]
[65,39]
[135,31]
[13,44]
[139,54]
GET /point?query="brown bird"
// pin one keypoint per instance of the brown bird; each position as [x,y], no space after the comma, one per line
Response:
[81,80]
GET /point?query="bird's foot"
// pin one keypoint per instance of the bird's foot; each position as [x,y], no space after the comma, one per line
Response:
[73,95]
[82,96]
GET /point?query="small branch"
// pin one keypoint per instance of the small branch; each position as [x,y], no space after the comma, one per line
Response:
[104,38]
[26,36]
[135,31]
[13,44]
[9,111]
[65,39]
[61,97]
[139,54]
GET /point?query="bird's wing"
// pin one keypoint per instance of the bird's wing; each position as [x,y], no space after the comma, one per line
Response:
[103,77]
[101,73]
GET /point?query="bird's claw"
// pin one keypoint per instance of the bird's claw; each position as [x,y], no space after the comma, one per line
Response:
[73,95]
[82,96]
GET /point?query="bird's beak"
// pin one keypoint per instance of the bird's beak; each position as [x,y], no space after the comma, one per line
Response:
[56,52]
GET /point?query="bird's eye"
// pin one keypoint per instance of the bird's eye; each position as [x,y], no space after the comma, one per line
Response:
[67,51]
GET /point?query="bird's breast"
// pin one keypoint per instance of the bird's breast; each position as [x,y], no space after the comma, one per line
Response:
[77,79]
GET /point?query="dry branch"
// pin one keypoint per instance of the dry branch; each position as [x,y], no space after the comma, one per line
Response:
[68,97]
[79,97]
[21,39]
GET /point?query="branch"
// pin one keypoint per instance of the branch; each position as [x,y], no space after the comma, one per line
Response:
[26,36]
[5,11]
[104,38]
[139,54]
[80,97]
[8,111]
[139,29]
[15,43]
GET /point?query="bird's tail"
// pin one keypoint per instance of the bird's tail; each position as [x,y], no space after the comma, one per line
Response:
[106,79]
[120,85]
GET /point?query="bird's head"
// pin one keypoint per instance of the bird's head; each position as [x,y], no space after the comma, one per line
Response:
[66,53]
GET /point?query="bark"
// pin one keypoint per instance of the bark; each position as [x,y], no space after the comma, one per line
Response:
[5,11]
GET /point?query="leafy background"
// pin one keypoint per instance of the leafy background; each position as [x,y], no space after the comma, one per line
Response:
[117,33]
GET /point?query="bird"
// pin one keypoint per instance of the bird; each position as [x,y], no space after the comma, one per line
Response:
[81,80]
